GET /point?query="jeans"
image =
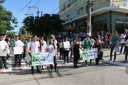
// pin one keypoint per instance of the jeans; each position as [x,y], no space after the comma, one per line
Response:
[55,64]
[3,61]
[61,53]
[126,53]
[122,46]
[66,56]
[18,59]
[111,51]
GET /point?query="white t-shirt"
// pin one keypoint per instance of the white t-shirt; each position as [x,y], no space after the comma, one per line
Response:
[51,48]
[19,43]
[123,36]
[34,46]
[67,45]
[44,46]
[3,44]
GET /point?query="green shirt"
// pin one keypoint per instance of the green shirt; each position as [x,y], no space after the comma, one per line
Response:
[12,44]
[87,44]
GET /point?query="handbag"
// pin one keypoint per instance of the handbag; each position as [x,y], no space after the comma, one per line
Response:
[28,59]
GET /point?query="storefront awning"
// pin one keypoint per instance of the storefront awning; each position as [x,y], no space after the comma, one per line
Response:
[120,9]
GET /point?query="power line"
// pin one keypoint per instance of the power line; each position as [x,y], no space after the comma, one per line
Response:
[23,8]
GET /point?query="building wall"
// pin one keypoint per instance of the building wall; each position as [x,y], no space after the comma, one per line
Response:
[72,9]
[120,2]
[110,18]
[117,16]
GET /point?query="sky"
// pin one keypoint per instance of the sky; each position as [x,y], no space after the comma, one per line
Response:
[46,6]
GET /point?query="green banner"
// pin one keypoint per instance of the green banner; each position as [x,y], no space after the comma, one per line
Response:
[44,58]
[85,55]
[88,54]
[36,60]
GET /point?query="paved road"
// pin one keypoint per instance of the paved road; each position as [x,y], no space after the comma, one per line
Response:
[104,74]
[92,75]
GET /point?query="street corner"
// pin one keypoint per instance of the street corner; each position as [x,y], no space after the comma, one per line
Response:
[116,63]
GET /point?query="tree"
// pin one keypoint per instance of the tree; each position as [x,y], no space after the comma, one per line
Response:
[25,36]
[6,19]
[43,25]
[23,30]
[11,34]
[1,1]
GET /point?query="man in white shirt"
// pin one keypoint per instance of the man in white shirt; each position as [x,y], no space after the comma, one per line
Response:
[35,48]
[18,57]
[123,36]
[4,47]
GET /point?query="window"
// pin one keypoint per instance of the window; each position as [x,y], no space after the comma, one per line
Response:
[80,10]
[120,26]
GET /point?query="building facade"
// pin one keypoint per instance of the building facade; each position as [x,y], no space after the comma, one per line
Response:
[107,15]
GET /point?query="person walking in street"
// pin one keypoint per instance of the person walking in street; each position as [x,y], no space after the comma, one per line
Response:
[126,48]
[35,48]
[52,48]
[123,36]
[43,46]
[61,49]
[67,46]
[87,45]
[76,52]
[18,57]
[98,45]
[24,50]
[115,41]
[3,47]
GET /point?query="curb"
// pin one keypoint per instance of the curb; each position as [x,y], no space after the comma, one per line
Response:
[116,63]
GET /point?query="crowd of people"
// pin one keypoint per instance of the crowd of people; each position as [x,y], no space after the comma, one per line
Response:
[64,48]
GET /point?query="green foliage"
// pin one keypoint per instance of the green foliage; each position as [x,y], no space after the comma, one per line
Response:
[23,30]
[43,25]
[11,34]
[25,36]
[6,19]
[1,1]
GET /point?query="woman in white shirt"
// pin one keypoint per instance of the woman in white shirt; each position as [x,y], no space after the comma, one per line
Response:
[67,47]
[52,48]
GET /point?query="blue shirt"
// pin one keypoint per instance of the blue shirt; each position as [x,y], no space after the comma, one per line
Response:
[114,39]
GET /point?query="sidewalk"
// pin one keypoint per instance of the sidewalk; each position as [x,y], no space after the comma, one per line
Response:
[119,59]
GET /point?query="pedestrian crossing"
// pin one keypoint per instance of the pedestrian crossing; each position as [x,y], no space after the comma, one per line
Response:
[11,68]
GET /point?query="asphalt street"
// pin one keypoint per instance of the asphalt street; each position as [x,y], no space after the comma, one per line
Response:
[103,74]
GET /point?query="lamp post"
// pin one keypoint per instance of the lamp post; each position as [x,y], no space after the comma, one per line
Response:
[89,27]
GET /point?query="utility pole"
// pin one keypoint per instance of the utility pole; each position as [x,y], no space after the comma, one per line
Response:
[89,27]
